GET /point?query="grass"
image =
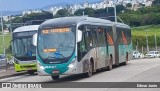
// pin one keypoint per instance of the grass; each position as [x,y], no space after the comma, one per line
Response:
[140,31]
[7,39]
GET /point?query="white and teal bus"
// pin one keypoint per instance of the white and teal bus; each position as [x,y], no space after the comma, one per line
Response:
[75,45]
[23,50]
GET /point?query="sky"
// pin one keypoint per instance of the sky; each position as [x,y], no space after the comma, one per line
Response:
[15,5]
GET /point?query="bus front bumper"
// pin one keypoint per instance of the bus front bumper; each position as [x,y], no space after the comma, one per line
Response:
[24,67]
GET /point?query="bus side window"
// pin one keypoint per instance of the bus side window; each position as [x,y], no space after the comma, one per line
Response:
[88,37]
[81,45]
[101,37]
[128,35]
[94,35]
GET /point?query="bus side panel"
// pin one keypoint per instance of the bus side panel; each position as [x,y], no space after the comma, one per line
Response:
[116,43]
[101,57]
[111,52]
[84,62]
[122,53]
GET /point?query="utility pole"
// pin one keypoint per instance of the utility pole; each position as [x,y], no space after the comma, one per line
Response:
[155,41]
[4,49]
[4,52]
[10,17]
[115,13]
[137,45]
[147,42]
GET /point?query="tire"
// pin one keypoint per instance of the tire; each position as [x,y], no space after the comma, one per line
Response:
[31,72]
[90,71]
[133,57]
[55,77]
[125,63]
[110,64]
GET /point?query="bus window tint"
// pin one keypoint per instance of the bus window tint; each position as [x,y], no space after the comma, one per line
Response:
[94,35]
[109,36]
[88,37]
[101,37]
[123,36]
[81,45]
[128,35]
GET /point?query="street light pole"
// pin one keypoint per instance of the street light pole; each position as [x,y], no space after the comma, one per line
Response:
[115,13]
[4,49]
[155,41]
[147,42]
[10,17]
[4,52]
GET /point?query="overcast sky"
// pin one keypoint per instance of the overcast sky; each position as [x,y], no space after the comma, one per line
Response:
[14,5]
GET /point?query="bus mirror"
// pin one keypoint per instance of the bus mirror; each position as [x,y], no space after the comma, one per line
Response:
[79,36]
[34,39]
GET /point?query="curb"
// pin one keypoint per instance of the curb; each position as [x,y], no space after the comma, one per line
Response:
[12,75]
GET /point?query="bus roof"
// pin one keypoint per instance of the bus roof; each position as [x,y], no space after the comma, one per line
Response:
[68,21]
[121,25]
[26,28]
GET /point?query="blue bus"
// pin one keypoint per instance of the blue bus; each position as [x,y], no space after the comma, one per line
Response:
[81,44]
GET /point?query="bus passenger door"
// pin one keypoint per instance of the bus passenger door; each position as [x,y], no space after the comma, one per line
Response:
[101,47]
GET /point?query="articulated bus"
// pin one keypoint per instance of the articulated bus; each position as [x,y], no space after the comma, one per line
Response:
[75,45]
[23,50]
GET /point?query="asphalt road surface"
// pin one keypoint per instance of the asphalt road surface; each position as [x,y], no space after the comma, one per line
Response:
[140,70]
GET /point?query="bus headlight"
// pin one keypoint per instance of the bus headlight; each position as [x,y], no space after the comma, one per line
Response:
[40,66]
[71,64]
[16,61]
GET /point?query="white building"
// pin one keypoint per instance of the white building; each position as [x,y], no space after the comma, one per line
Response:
[54,10]
[95,6]
[7,18]
[27,12]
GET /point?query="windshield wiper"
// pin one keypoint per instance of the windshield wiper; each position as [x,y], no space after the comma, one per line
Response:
[59,54]
[48,58]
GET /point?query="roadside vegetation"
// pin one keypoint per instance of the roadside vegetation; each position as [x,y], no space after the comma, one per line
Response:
[145,18]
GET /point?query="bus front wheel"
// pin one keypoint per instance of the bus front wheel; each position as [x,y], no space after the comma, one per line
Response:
[110,63]
[31,72]
[55,77]
[90,70]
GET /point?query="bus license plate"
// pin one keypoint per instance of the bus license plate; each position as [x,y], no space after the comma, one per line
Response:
[55,71]
[29,68]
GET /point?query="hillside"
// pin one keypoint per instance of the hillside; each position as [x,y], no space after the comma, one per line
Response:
[140,31]
[139,34]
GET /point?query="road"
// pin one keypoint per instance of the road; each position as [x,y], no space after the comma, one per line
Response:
[140,70]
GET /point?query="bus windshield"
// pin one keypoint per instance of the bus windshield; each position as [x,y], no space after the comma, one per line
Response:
[56,45]
[23,48]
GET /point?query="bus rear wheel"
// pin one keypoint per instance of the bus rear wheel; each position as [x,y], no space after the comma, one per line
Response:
[110,64]
[126,62]
[55,77]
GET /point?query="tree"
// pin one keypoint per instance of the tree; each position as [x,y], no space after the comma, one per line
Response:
[156,2]
[129,5]
[37,16]
[62,13]
[87,11]
[120,8]
[17,20]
